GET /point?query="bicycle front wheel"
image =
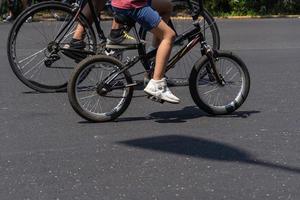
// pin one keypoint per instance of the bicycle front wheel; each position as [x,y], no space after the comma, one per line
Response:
[35,55]
[213,97]
[91,98]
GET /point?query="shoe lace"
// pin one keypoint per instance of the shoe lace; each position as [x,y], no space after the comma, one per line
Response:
[162,87]
[127,36]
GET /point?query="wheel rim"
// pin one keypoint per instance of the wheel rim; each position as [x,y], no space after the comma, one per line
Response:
[222,97]
[88,97]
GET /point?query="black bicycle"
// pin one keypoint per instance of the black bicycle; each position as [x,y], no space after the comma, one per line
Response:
[101,87]
[37,51]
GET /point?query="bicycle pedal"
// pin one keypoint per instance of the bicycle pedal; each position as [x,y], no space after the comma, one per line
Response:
[155,99]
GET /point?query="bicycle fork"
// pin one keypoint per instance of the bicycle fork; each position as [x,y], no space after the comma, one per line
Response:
[212,69]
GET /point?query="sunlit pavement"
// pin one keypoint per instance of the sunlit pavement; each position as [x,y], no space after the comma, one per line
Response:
[162,151]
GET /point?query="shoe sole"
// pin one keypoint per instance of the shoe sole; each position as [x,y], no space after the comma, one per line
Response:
[159,99]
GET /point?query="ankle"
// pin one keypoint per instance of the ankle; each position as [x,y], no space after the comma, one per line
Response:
[158,79]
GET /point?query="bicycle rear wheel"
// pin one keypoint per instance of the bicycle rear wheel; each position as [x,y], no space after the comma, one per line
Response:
[31,45]
[91,98]
[212,97]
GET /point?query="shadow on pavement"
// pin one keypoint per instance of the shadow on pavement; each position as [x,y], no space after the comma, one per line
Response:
[202,148]
[237,114]
[181,116]
[36,92]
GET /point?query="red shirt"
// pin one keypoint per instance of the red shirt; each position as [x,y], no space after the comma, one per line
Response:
[128,4]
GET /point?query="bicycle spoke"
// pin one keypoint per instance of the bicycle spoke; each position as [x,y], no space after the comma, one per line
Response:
[31,56]
[36,65]
[90,96]
[22,67]
[210,91]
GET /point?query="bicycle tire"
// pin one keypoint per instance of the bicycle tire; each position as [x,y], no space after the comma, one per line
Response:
[45,84]
[199,77]
[86,67]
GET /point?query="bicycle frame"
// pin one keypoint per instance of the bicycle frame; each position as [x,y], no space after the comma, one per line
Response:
[196,7]
[194,36]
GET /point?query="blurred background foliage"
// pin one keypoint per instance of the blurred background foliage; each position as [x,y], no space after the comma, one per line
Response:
[216,7]
[253,7]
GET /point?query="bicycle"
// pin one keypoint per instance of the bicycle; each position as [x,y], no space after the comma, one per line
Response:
[35,50]
[101,88]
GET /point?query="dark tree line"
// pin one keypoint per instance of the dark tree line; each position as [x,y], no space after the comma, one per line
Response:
[253,6]
[217,7]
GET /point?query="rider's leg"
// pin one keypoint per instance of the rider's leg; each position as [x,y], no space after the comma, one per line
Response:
[157,86]
[164,8]
[166,35]
[77,41]
[150,20]
[79,31]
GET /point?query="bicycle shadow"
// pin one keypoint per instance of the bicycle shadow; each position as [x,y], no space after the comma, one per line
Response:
[36,92]
[183,115]
[202,148]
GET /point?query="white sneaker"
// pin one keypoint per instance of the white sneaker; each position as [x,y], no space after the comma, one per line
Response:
[160,90]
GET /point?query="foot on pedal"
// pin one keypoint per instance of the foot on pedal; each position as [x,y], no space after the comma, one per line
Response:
[159,90]
[76,45]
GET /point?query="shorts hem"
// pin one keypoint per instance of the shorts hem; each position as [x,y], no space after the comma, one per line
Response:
[154,25]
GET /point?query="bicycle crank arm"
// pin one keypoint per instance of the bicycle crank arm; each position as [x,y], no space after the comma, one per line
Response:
[131,85]
[77,51]
[124,86]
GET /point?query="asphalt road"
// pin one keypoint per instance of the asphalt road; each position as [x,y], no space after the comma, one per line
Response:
[157,151]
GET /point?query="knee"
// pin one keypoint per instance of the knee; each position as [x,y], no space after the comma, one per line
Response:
[170,35]
[173,35]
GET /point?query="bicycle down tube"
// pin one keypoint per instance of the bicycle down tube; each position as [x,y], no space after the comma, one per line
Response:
[194,33]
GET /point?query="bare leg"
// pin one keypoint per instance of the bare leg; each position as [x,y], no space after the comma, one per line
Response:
[79,32]
[164,8]
[157,86]
[166,35]
[115,25]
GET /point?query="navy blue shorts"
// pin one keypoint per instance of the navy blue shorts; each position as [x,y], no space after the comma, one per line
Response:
[146,16]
